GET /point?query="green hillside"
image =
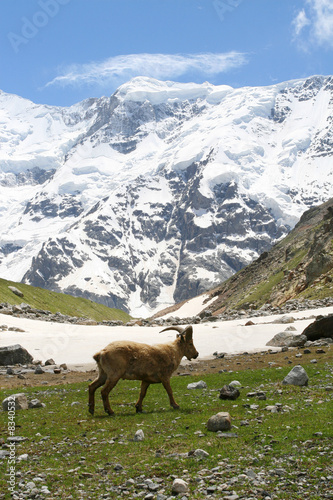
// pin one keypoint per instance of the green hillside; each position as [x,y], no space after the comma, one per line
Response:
[58,302]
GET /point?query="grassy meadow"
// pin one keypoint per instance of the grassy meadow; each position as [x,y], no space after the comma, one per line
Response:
[284,455]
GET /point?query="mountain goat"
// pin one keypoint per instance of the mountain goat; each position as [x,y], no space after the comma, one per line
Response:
[136,361]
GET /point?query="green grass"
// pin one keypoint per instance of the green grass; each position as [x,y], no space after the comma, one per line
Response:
[68,445]
[261,292]
[40,298]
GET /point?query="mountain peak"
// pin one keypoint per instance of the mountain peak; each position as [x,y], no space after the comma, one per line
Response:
[161,191]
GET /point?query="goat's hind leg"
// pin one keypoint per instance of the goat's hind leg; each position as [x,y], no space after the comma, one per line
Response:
[143,392]
[110,384]
[98,382]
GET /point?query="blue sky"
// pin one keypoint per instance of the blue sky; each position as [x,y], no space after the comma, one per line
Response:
[62,51]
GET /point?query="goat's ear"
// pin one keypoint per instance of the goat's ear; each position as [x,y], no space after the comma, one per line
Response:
[188,333]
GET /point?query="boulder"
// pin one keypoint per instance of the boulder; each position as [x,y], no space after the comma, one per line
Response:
[16,291]
[20,400]
[229,392]
[287,339]
[219,422]
[321,328]
[296,376]
[14,355]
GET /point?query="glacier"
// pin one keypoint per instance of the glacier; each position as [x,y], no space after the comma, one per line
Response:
[161,191]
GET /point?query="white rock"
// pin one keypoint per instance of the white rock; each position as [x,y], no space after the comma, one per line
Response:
[197,385]
[235,383]
[139,435]
[201,453]
[179,486]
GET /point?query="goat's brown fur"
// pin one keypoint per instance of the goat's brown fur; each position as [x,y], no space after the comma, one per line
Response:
[137,361]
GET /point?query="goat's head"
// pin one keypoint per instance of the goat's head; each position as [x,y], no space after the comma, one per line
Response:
[186,339]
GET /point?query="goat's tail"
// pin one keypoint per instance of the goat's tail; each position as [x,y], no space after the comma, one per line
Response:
[97,357]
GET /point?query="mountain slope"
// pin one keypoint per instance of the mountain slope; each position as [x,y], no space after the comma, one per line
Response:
[45,300]
[157,193]
[298,267]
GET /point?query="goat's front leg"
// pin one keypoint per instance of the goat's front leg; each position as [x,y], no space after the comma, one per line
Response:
[100,380]
[167,387]
[143,392]
[105,393]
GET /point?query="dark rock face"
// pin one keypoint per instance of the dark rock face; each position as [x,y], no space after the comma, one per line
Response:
[14,355]
[322,327]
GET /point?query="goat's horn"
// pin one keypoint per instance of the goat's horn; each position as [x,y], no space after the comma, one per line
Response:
[178,329]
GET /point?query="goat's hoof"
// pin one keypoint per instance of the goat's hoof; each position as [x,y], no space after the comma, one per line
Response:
[110,412]
[91,410]
[138,409]
[175,407]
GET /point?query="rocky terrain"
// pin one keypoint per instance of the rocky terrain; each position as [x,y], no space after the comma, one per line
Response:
[297,273]
[161,191]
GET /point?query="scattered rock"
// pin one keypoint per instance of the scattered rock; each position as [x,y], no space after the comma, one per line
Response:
[35,403]
[39,370]
[235,383]
[297,376]
[16,291]
[229,392]
[139,435]
[20,399]
[49,362]
[179,486]
[197,385]
[200,453]
[284,320]
[287,339]
[219,422]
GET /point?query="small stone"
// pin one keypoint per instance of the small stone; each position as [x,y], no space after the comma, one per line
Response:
[219,422]
[49,362]
[35,403]
[179,486]
[201,453]
[229,392]
[235,383]
[197,385]
[118,467]
[39,370]
[139,435]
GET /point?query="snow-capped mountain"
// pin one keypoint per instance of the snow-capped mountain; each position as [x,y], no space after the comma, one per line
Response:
[162,190]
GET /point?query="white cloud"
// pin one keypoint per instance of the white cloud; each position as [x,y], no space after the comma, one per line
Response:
[317,17]
[323,21]
[300,22]
[119,69]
